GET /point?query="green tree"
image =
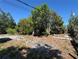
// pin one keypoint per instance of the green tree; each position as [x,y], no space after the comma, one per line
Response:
[73,29]
[73,26]
[6,21]
[25,26]
[56,24]
[40,17]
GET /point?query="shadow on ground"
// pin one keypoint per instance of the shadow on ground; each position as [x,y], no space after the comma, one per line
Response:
[3,40]
[30,53]
[75,45]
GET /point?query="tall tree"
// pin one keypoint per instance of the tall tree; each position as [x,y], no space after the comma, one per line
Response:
[73,29]
[56,22]
[40,17]
[6,21]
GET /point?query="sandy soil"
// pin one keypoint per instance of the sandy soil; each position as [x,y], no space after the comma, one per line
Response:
[64,45]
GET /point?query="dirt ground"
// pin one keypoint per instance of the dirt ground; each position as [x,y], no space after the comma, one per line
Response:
[64,45]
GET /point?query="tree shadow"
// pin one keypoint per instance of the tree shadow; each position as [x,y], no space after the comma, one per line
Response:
[43,53]
[10,53]
[72,56]
[75,45]
[3,40]
[30,53]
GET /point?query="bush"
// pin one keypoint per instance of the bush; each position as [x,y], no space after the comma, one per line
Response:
[45,33]
[24,31]
[11,31]
[25,26]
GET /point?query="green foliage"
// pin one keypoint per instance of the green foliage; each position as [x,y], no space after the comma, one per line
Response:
[46,21]
[73,31]
[40,17]
[6,21]
[73,27]
[25,26]
[11,31]
[56,22]
[42,22]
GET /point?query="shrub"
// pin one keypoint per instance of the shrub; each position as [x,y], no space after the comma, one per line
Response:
[25,26]
[11,31]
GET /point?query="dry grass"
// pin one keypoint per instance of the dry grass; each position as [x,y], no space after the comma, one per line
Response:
[63,45]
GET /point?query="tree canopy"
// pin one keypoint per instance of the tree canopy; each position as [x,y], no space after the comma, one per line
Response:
[40,17]
[56,22]
[73,30]
[25,26]
[43,21]
[46,21]
[6,21]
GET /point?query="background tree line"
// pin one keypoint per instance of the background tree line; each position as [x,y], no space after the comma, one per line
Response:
[6,21]
[42,22]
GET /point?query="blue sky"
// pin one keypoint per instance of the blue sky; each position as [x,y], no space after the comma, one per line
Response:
[19,11]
